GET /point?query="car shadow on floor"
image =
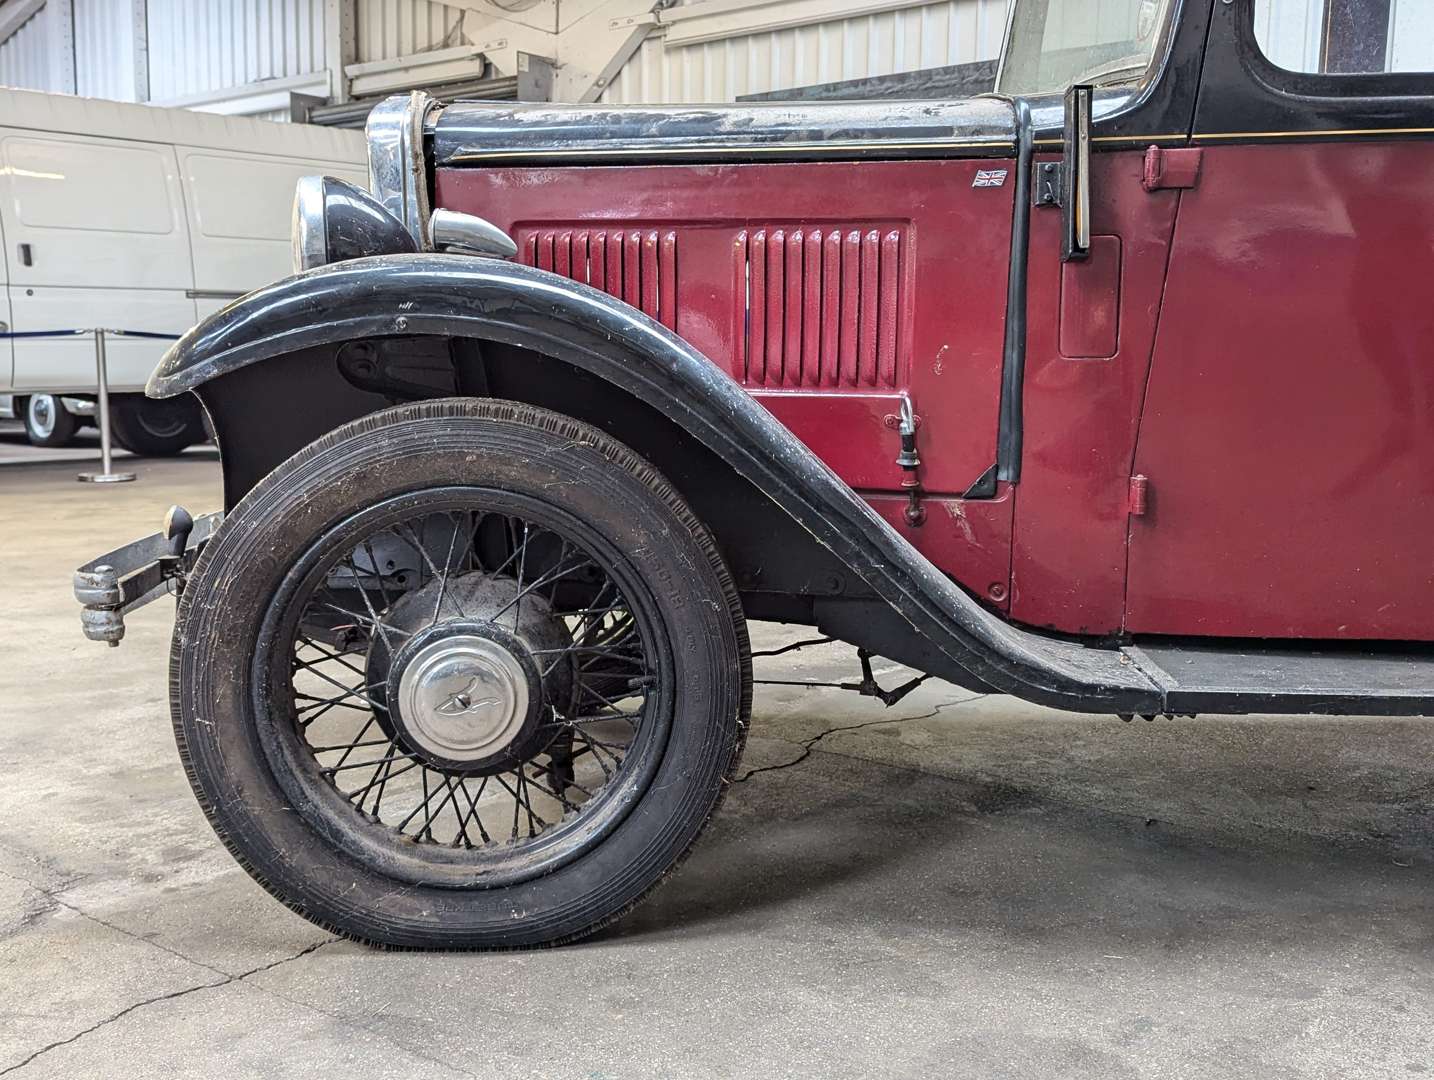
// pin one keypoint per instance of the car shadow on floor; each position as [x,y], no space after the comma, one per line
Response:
[843,842]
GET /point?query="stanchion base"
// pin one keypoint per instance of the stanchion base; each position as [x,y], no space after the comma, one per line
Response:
[104,477]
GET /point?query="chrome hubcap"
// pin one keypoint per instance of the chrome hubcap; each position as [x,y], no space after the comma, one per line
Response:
[463,698]
[42,415]
[472,684]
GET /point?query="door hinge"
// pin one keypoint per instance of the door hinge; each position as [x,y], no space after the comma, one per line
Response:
[1175,169]
[1139,495]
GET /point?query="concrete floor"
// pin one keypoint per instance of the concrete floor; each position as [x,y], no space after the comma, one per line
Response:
[84,452]
[957,887]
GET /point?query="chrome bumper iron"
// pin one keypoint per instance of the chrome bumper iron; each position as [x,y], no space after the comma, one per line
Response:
[111,586]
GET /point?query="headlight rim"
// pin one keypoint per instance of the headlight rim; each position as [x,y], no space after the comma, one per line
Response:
[309,229]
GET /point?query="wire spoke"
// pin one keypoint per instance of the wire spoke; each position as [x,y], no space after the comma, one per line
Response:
[402,755]
[443,579]
[325,655]
[473,810]
[377,572]
[355,617]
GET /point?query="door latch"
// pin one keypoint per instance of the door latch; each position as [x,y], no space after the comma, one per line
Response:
[1048,184]
[910,461]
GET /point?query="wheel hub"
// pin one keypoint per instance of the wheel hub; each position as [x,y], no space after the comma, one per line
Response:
[42,414]
[468,689]
[462,696]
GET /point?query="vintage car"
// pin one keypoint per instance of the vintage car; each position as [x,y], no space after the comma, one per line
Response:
[1110,391]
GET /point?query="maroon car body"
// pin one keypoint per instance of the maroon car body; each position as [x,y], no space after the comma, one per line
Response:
[1111,391]
[1245,353]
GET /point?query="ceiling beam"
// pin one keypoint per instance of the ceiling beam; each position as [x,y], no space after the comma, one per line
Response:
[60,30]
[340,45]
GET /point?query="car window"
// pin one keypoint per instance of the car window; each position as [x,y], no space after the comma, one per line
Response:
[1347,37]
[1051,44]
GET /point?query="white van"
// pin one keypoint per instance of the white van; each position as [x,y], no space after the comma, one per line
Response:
[141,219]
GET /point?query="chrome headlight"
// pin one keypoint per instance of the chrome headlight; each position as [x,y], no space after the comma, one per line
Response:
[334,220]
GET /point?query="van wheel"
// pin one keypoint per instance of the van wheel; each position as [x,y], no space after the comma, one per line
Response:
[155,428]
[463,674]
[47,422]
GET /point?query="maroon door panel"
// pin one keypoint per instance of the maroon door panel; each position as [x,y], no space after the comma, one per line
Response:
[968,538]
[858,282]
[1068,558]
[1090,302]
[1289,427]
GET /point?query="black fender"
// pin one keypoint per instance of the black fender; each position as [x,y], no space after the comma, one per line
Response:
[461,297]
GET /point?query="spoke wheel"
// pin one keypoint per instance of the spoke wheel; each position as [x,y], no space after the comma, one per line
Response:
[461,674]
[463,684]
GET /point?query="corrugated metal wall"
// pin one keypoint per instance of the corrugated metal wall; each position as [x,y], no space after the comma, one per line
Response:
[387,29]
[104,50]
[200,46]
[195,48]
[933,35]
[24,61]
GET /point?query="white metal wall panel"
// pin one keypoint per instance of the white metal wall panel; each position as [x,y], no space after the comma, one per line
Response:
[933,35]
[200,47]
[1289,32]
[104,50]
[387,29]
[1411,36]
[24,57]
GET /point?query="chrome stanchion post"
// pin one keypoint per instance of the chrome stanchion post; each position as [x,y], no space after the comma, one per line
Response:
[103,409]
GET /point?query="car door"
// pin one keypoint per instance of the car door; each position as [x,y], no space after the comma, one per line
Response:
[96,236]
[1288,432]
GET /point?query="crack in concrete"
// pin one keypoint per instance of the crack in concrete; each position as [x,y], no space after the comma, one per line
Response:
[57,900]
[810,744]
[225,978]
[172,995]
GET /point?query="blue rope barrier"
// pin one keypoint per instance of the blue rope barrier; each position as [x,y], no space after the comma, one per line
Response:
[84,333]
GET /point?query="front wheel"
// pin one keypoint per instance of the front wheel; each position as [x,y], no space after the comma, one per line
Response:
[461,674]
[47,422]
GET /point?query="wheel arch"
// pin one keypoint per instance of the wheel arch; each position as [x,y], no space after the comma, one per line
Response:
[300,357]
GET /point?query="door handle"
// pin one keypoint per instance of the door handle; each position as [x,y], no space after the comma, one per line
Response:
[26,257]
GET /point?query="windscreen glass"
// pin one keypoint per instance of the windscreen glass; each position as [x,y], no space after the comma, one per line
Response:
[1052,44]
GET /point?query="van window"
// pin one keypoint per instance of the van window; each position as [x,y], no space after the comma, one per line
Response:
[57,184]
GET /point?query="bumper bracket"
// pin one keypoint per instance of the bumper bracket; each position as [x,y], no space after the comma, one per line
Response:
[116,583]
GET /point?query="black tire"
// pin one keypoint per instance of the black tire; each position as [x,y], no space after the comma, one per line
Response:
[152,428]
[337,864]
[47,422]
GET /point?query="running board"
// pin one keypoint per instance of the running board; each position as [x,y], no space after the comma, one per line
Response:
[1238,678]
